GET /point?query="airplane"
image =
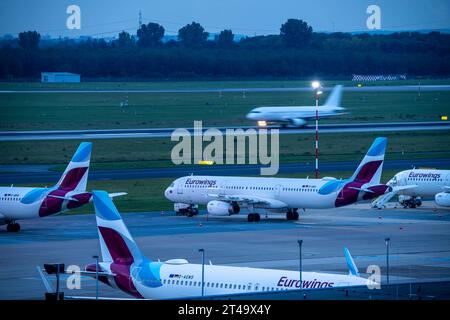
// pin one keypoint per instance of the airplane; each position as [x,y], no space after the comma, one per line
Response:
[124,267]
[225,196]
[298,115]
[20,203]
[419,183]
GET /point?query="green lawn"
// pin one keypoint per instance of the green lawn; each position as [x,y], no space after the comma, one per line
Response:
[226,84]
[42,111]
[147,153]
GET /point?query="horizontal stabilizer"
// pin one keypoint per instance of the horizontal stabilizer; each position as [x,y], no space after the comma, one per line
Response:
[117,194]
[63,198]
[48,286]
[362,189]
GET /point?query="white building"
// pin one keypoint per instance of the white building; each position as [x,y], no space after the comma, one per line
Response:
[59,77]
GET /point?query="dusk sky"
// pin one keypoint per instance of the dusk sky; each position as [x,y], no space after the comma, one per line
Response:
[105,18]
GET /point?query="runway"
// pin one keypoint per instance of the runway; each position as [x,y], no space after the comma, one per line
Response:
[15,174]
[242,89]
[166,132]
[419,246]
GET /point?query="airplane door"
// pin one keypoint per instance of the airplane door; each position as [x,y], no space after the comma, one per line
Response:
[278,188]
[447,180]
[44,203]
[136,275]
[223,186]
[180,187]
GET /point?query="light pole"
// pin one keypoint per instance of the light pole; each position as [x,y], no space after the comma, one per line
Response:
[387,258]
[316,86]
[96,277]
[203,270]
[300,242]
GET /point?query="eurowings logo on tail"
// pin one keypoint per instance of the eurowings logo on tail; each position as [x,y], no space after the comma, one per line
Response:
[70,191]
[119,250]
[365,182]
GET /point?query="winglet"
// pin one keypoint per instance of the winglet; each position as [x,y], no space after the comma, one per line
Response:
[350,263]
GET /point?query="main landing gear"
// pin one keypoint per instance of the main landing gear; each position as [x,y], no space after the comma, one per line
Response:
[292,214]
[253,217]
[13,227]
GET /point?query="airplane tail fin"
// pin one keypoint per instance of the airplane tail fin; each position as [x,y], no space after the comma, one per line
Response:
[370,168]
[76,174]
[334,99]
[353,269]
[116,243]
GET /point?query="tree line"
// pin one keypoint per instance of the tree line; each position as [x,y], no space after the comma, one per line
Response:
[297,51]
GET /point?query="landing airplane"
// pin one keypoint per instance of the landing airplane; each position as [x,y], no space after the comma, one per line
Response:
[124,267]
[298,115]
[19,203]
[420,183]
[226,195]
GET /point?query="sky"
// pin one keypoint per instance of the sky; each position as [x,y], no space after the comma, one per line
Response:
[106,18]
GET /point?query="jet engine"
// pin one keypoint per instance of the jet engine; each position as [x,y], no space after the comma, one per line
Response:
[298,122]
[221,208]
[442,199]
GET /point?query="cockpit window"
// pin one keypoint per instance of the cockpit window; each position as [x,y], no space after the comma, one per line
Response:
[172,185]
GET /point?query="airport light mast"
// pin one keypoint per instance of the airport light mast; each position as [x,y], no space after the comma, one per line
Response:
[317,89]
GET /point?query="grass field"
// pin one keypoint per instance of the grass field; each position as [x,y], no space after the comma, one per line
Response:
[146,153]
[147,194]
[59,111]
[205,84]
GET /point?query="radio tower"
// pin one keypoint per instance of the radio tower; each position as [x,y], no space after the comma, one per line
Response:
[140,19]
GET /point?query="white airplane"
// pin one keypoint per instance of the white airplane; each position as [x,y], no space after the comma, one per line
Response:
[124,267]
[420,183]
[298,115]
[20,203]
[226,195]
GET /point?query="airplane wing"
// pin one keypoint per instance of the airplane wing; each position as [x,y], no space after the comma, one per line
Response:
[117,194]
[401,188]
[63,198]
[362,189]
[245,199]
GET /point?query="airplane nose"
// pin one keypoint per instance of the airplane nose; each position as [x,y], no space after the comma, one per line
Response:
[249,116]
[168,193]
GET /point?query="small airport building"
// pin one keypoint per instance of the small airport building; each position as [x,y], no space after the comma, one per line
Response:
[59,77]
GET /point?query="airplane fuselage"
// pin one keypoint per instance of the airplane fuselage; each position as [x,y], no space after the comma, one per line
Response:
[158,280]
[428,182]
[19,203]
[281,192]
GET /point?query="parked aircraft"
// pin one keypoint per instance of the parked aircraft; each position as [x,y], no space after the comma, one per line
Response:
[225,196]
[20,203]
[421,183]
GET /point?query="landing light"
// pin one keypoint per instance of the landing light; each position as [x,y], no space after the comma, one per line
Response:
[444,118]
[262,123]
